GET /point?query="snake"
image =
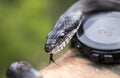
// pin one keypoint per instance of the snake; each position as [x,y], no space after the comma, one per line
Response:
[62,33]
[69,22]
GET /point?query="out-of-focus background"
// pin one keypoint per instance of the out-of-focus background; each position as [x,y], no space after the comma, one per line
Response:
[24,25]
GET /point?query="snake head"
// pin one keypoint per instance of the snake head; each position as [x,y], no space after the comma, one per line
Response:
[64,29]
[62,32]
[69,22]
[55,39]
[22,69]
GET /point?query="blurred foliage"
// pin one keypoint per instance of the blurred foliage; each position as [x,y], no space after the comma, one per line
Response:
[24,25]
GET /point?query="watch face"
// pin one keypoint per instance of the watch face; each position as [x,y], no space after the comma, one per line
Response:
[101,31]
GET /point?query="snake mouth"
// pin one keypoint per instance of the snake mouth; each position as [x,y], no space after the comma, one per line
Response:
[55,48]
[59,46]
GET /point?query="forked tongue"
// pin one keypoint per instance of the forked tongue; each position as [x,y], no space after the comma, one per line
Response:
[51,60]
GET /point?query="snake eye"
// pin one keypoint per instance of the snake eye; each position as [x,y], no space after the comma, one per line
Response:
[62,35]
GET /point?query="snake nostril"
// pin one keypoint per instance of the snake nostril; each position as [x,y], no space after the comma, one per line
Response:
[48,48]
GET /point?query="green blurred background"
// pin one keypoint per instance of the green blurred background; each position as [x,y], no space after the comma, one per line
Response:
[24,25]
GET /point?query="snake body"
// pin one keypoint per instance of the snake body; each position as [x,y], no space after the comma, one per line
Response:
[70,21]
[64,29]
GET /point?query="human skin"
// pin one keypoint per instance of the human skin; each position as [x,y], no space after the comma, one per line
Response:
[74,65]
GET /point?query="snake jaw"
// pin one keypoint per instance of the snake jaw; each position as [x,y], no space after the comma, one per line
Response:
[58,47]
[58,38]
[64,29]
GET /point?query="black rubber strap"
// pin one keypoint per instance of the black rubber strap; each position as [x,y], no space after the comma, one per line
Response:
[101,56]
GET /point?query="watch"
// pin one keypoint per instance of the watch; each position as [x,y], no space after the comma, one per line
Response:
[99,37]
